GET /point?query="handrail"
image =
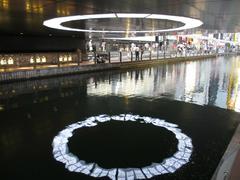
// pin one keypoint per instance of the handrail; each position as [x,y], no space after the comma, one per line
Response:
[26,61]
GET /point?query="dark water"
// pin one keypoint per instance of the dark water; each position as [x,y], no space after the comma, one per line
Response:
[201,97]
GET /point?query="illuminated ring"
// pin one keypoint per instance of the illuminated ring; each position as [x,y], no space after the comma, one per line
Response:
[56,23]
[169,165]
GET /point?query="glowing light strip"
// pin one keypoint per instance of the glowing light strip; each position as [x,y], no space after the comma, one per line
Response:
[62,154]
[56,23]
[131,15]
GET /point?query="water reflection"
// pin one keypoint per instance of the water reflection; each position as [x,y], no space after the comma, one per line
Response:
[233,100]
[33,112]
[210,82]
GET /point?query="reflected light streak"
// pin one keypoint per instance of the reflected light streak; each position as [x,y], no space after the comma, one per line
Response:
[128,27]
[234,88]
[190,80]
[62,154]
[237,104]
[126,87]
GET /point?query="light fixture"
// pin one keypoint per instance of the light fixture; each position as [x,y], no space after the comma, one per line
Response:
[69,58]
[57,23]
[32,60]
[44,59]
[169,165]
[10,61]
[38,60]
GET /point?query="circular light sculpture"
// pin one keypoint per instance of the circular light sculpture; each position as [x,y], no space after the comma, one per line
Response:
[62,154]
[56,23]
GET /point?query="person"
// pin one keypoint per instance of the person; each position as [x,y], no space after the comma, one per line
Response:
[100,59]
[142,51]
[90,46]
[137,53]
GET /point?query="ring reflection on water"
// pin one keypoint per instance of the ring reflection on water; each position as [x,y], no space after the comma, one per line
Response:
[62,154]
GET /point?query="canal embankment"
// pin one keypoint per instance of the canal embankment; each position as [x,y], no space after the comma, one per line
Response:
[9,76]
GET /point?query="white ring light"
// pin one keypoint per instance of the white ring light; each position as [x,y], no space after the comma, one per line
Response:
[56,23]
[169,165]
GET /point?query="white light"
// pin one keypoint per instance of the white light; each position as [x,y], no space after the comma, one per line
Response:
[189,23]
[56,23]
[10,61]
[131,15]
[142,38]
[44,59]
[169,165]
[31,60]
[69,58]
[38,60]
[136,38]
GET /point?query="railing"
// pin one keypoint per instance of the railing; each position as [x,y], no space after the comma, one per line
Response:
[28,61]
[117,57]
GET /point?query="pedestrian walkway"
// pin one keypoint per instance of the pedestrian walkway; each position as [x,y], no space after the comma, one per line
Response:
[228,168]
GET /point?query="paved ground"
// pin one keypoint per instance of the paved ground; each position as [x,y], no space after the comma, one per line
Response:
[228,168]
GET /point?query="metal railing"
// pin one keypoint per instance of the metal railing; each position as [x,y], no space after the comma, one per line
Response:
[27,61]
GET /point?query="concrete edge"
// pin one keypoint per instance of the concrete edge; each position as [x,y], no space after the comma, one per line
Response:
[227,165]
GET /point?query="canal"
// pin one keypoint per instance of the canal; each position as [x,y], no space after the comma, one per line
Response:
[172,121]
